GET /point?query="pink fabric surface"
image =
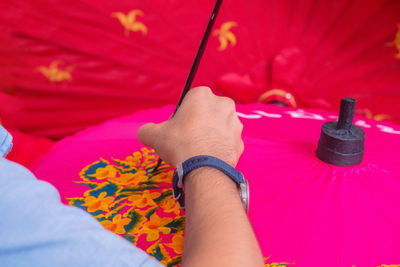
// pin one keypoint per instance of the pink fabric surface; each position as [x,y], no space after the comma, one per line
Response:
[304,211]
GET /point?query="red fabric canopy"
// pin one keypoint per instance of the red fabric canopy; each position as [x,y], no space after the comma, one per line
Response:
[28,149]
[68,64]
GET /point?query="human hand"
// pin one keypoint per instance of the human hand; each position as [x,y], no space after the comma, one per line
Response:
[205,124]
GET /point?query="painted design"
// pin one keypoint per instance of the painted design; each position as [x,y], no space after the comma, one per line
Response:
[378,117]
[225,35]
[127,198]
[129,21]
[54,74]
[302,114]
[276,264]
[396,42]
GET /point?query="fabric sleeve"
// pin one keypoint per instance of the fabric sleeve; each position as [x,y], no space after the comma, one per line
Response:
[5,142]
[36,229]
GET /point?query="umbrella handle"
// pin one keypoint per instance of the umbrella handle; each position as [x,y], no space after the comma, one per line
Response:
[346,113]
[341,143]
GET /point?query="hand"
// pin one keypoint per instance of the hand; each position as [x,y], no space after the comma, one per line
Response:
[205,124]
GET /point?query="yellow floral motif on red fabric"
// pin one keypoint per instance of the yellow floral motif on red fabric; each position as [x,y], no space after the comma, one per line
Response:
[225,36]
[131,200]
[378,117]
[54,74]
[129,21]
[396,43]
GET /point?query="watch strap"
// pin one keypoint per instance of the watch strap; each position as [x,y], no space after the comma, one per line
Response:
[184,168]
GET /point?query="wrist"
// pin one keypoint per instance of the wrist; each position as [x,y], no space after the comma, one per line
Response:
[217,176]
[209,178]
[208,186]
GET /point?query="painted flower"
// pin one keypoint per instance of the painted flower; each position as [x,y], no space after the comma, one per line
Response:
[144,199]
[177,243]
[98,203]
[117,224]
[108,171]
[54,74]
[158,251]
[163,177]
[276,264]
[129,21]
[131,179]
[136,158]
[225,35]
[170,205]
[149,156]
[131,162]
[155,226]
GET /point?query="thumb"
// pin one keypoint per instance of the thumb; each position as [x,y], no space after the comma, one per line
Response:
[147,134]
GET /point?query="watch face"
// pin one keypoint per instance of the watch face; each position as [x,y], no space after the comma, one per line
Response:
[245,194]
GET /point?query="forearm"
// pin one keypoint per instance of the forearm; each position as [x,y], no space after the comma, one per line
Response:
[218,232]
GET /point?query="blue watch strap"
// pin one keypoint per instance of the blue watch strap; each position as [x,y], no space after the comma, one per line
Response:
[193,163]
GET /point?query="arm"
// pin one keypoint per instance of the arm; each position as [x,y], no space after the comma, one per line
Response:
[36,229]
[218,232]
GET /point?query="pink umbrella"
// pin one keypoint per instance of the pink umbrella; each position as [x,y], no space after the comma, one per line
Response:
[305,212]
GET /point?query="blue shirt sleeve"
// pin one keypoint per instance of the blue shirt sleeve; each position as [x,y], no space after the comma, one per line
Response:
[36,229]
[5,142]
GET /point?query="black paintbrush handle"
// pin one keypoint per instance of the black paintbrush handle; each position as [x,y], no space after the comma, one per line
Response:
[199,54]
[196,62]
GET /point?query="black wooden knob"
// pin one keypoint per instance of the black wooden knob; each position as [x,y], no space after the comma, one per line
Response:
[341,143]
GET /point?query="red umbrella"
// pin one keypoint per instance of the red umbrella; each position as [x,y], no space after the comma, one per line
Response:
[67,65]
[304,211]
[28,149]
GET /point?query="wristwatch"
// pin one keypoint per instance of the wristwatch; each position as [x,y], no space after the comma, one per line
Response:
[184,168]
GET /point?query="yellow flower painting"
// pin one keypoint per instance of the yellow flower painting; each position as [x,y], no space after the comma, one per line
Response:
[131,200]
[54,73]
[129,21]
[225,36]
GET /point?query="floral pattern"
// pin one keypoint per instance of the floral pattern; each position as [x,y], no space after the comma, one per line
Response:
[225,36]
[396,43]
[128,198]
[129,21]
[54,74]
[131,200]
